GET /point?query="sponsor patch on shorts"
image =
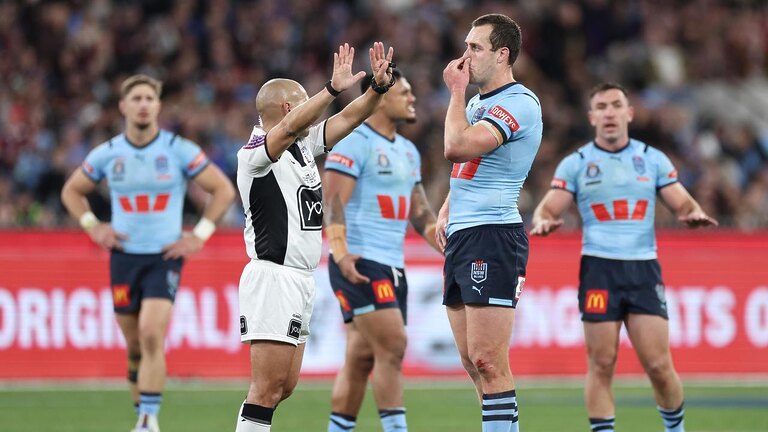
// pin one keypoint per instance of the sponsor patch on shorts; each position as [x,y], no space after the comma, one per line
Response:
[294,329]
[243,325]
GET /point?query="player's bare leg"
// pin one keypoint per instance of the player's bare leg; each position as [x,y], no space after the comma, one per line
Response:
[650,337]
[384,330]
[274,374]
[457,317]
[129,326]
[351,380]
[489,353]
[489,350]
[153,321]
[602,343]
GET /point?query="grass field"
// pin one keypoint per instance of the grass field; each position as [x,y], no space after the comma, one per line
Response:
[444,407]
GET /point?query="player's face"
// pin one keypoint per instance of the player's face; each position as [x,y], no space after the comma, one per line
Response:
[141,106]
[399,102]
[484,60]
[610,115]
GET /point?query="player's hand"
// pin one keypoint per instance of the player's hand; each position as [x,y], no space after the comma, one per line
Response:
[343,78]
[697,219]
[456,74]
[440,238]
[107,238]
[349,270]
[380,63]
[545,227]
[183,247]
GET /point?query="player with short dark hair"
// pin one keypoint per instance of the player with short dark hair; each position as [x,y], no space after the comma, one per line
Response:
[492,143]
[281,192]
[147,170]
[373,188]
[614,180]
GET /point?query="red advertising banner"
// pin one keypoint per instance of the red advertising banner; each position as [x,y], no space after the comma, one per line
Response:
[56,318]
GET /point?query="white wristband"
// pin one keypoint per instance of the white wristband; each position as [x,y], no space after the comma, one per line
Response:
[88,220]
[204,229]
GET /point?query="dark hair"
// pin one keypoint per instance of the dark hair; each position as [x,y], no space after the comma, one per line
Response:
[505,33]
[604,86]
[135,80]
[366,81]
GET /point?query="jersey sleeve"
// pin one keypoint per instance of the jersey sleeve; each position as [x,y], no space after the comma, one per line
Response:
[191,157]
[666,174]
[511,114]
[253,154]
[316,138]
[348,155]
[95,163]
[566,174]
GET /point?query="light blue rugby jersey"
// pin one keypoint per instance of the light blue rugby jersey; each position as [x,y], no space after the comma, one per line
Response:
[147,186]
[485,190]
[616,196]
[378,211]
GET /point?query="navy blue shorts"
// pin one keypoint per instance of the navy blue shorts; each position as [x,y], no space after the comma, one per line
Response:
[388,289]
[610,289]
[138,276]
[485,265]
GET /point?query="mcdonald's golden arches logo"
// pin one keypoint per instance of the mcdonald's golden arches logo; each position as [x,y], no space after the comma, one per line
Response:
[383,290]
[596,301]
[120,295]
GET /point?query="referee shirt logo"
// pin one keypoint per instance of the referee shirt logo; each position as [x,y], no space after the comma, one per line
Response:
[311,207]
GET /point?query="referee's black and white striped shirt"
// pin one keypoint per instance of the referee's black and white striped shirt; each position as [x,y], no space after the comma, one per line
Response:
[282,200]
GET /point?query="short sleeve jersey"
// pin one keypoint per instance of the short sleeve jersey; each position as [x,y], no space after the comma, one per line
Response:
[282,199]
[147,186]
[485,190]
[377,212]
[616,196]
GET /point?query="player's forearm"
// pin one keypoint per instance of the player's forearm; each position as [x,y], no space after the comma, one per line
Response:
[455,125]
[221,200]
[443,213]
[335,227]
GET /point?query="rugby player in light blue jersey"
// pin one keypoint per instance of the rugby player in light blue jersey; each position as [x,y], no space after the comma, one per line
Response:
[614,180]
[372,189]
[147,170]
[492,143]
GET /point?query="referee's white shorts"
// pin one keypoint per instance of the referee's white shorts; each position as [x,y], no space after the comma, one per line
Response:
[275,302]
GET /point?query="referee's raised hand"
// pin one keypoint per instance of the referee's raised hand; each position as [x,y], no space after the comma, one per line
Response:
[381,65]
[343,78]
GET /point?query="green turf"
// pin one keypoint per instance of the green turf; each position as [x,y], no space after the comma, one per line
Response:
[193,408]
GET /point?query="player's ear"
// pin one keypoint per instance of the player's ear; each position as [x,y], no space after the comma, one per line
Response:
[286,108]
[503,55]
[591,117]
[630,113]
[121,107]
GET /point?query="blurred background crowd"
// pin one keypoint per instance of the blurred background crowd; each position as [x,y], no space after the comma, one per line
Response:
[696,70]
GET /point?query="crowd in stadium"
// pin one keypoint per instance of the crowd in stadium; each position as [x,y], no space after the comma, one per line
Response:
[696,69]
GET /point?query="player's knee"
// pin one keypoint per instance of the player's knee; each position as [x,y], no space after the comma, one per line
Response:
[151,342]
[658,368]
[603,364]
[485,362]
[361,362]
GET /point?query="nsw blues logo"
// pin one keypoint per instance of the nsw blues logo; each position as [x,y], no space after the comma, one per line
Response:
[172,279]
[593,170]
[161,166]
[118,170]
[639,165]
[479,271]
[479,113]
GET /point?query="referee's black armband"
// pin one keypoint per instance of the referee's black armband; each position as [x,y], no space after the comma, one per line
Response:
[332,90]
